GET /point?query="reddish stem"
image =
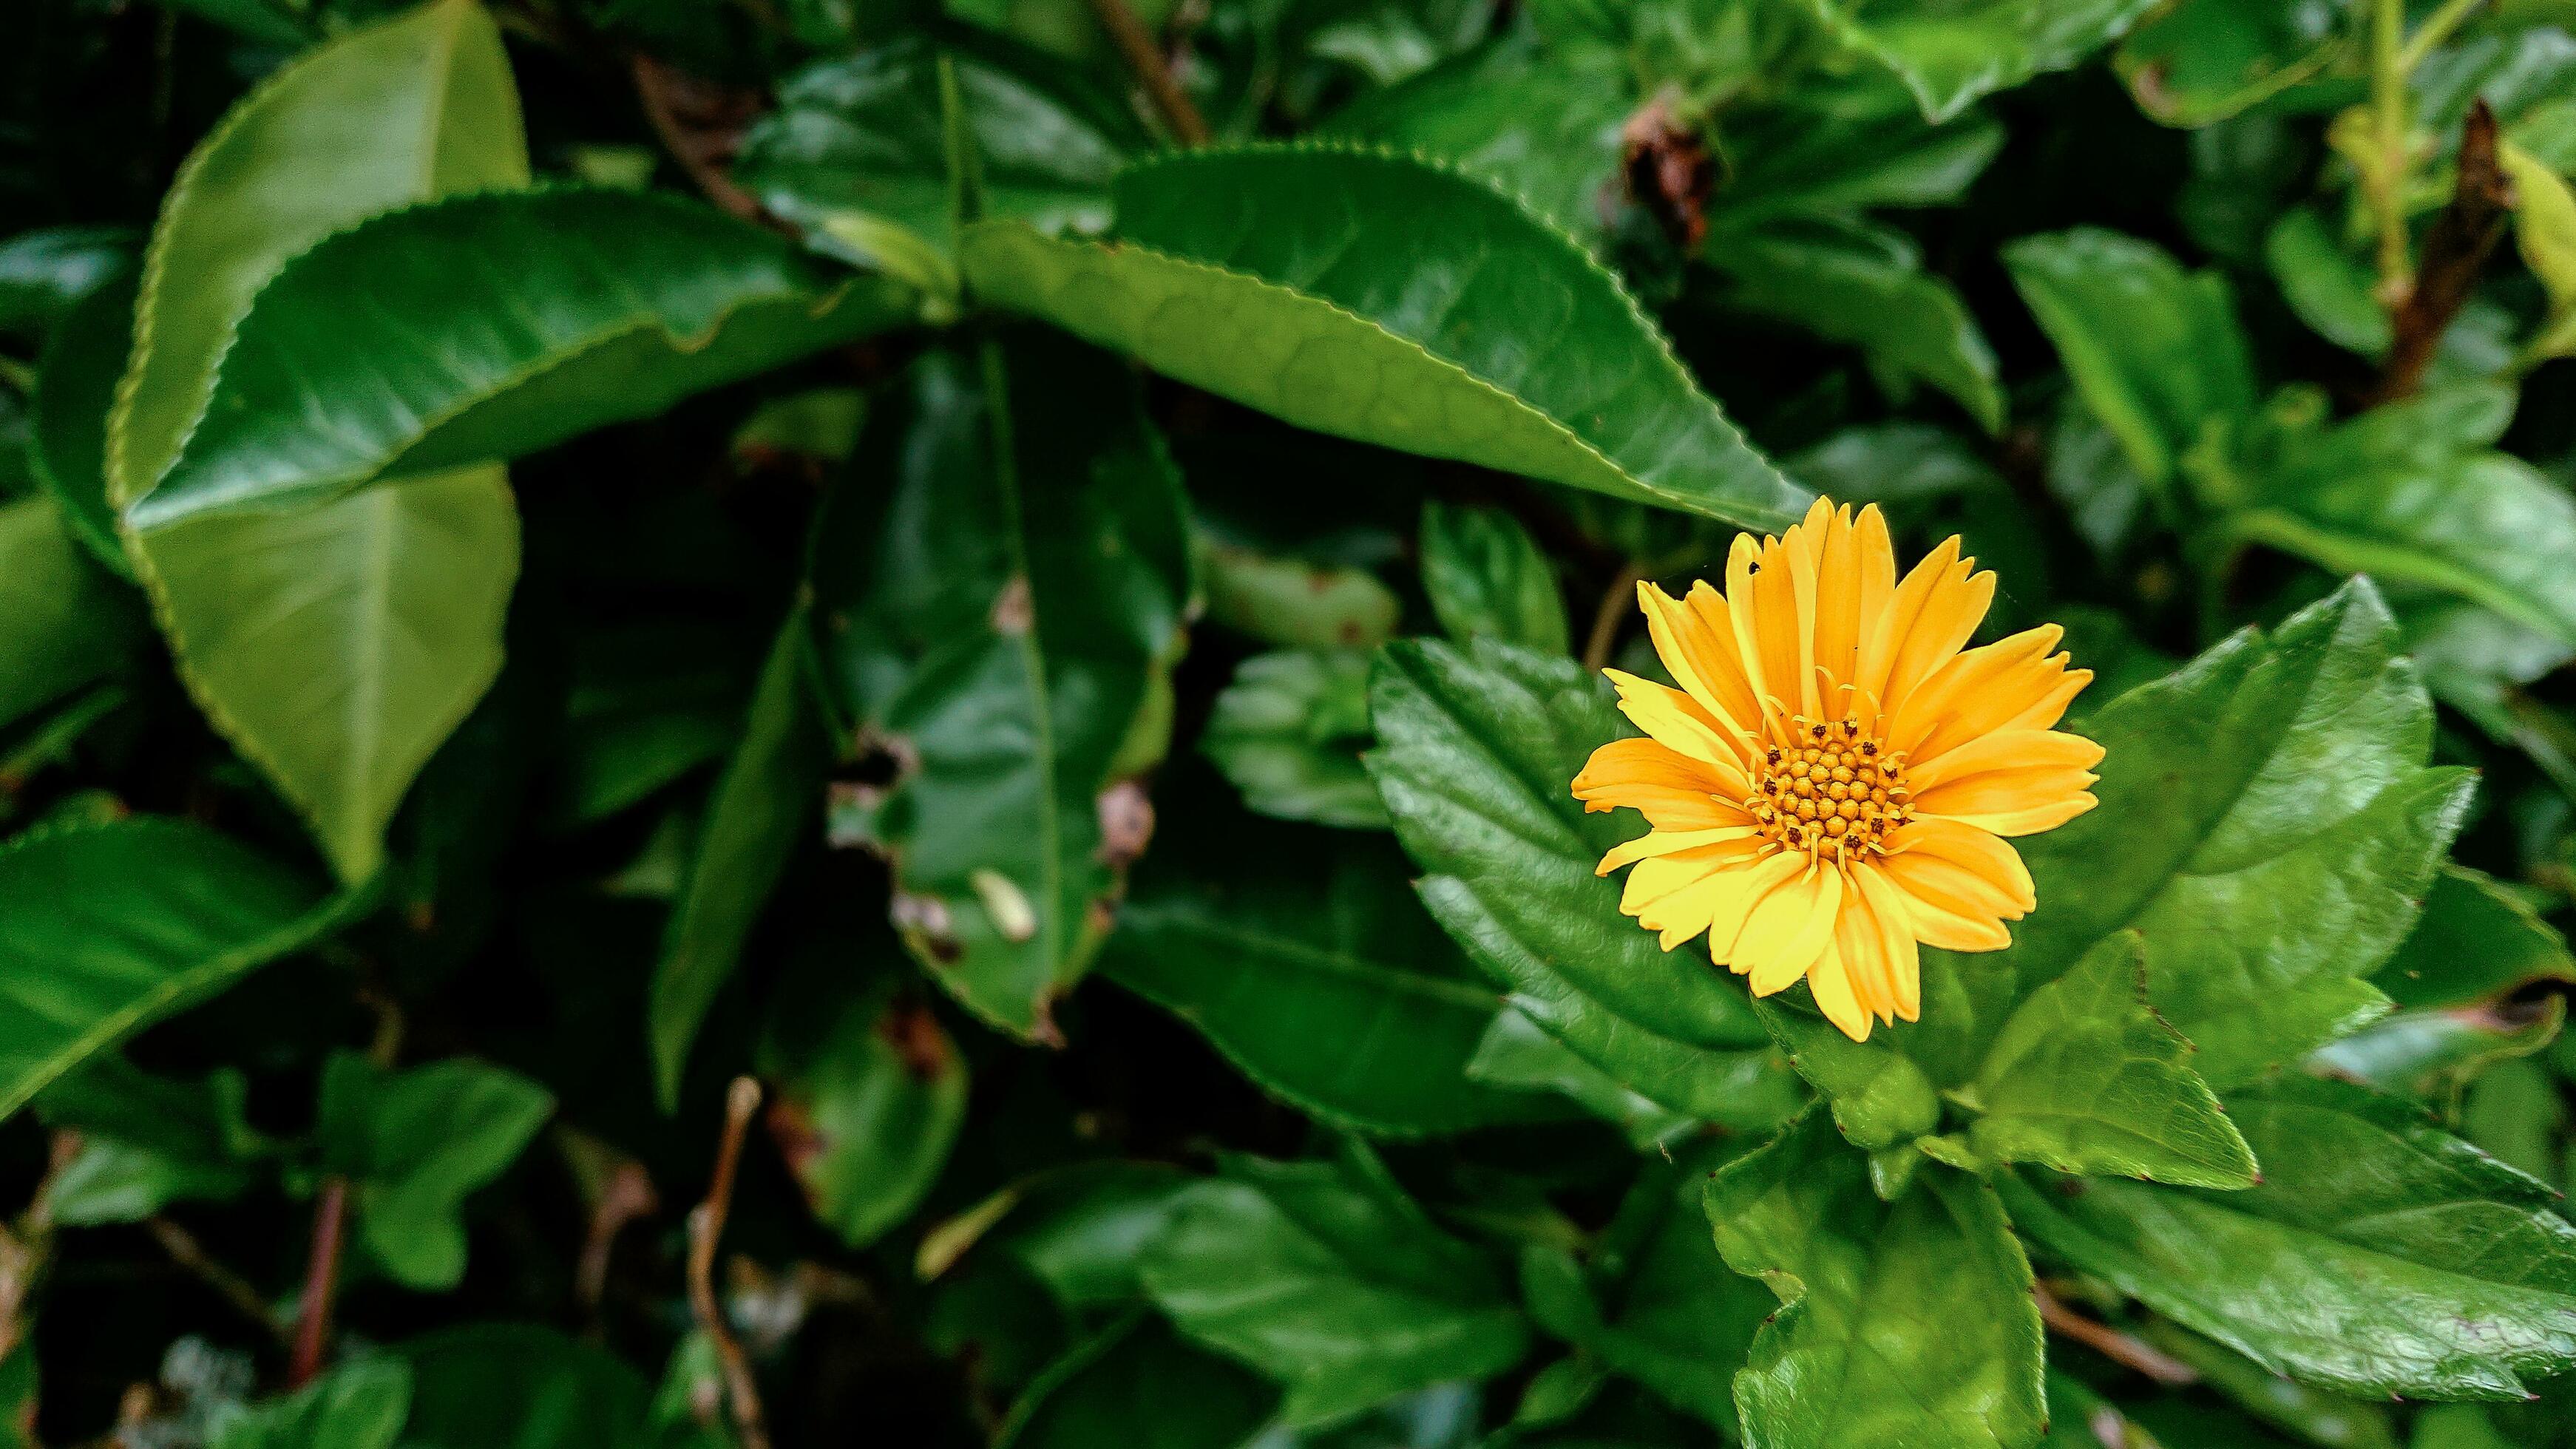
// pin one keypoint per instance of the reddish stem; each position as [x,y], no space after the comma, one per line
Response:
[321,1283]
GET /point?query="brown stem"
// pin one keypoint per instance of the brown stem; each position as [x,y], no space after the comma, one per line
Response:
[2455,250]
[699,124]
[233,1288]
[1136,46]
[1615,603]
[627,1196]
[2111,1343]
[321,1284]
[706,1226]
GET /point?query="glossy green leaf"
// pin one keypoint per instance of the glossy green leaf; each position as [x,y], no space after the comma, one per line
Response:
[1306,300]
[45,273]
[1002,623]
[2202,61]
[871,1094]
[2409,492]
[2378,1255]
[1296,605]
[2155,350]
[861,135]
[360,1405]
[1675,1318]
[1866,286]
[2086,1078]
[1518,1052]
[763,806]
[75,388]
[1907,1324]
[1084,1230]
[2325,285]
[416,1144]
[1136,1385]
[1331,1285]
[1324,982]
[1949,54]
[1486,575]
[105,929]
[1288,732]
[287,167]
[1478,749]
[2476,939]
[1879,1096]
[338,646]
[2431,1053]
[63,623]
[1836,145]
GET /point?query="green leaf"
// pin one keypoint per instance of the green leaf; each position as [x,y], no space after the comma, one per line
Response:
[1949,54]
[1478,751]
[2476,939]
[416,1144]
[1288,732]
[1836,145]
[2155,350]
[1486,575]
[1865,285]
[871,1093]
[2378,1255]
[1305,297]
[2326,285]
[1676,1318]
[1335,1287]
[2201,61]
[497,325]
[75,388]
[379,118]
[44,274]
[2086,1078]
[2287,768]
[1517,1052]
[861,135]
[63,623]
[338,646]
[762,808]
[1907,1324]
[1323,982]
[1879,1096]
[147,1141]
[2408,492]
[1084,1230]
[1002,622]
[105,929]
[520,1386]
[1136,1385]
[1296,605]
[359,1405]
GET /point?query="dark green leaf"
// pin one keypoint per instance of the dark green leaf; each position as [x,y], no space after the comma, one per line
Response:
[63,623]
[519,1386]
[1517,1052]
[1137,1386]
[2475,939]
[45,274]
[1677,1319]
[105,929]
[1288,732]
[2377,1256]
[1002,623]
[1907,1324]
[1486,575]
[1949,54]
[147,1142]
[360,1405]
[1478,752]
[871,1093]
[2202,61]
[415,1144]
[1304,299]
[1338,1289]
[76,387]
[762,808]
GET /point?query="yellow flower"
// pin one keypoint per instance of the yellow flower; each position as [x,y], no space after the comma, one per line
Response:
[1833,781]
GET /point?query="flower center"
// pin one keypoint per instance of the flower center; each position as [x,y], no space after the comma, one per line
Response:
[1835,789]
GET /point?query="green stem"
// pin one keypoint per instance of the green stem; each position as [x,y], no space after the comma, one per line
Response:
[2389,125]
[2437,28]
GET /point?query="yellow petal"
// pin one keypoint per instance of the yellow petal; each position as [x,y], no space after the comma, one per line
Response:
[1966,866]
[1671,719]
[1832,985]
[1672,790]
[1900,962]
[1730,681]
[1707,672]
[1728,915]
[1977,692]
[2006,751]
[1657,843]
[1789,928]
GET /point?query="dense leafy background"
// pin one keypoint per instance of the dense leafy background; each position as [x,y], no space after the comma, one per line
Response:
[805,721]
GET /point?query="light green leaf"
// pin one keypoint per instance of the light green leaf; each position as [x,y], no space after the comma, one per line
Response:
[1296,605]
[105,929]
[1288,731]
[871,1093]
[1478,752]
[416,1144]
[359,1405]
[762,808]
[1320,978]
[2327,286]
[1001,621]
[63,623]
[861,135]
[2378,1255]
[1304,297]
[2476,939]
[1865,285]
[1907,1325]
[497,325]
[2086,1078]
[2409,492]
[1486,575]
[1137,1385]
[1879,1096]
[1949,54]
[2156,351]
[338,646]
[2199,62]
[290,164]
[1342,1292]
[2544,230]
